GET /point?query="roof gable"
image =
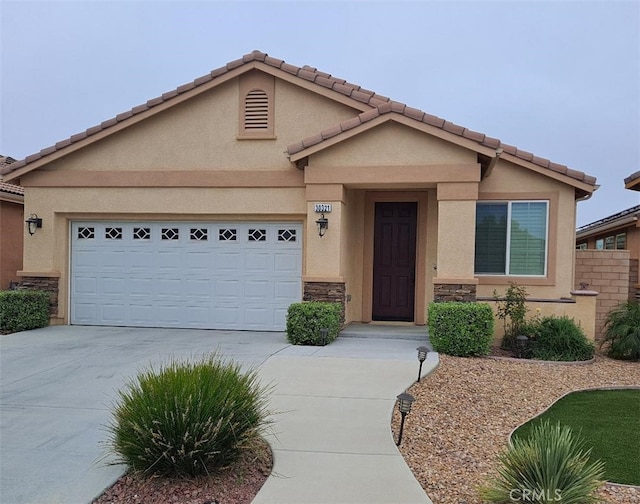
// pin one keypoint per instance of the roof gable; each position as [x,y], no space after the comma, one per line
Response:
[370,103]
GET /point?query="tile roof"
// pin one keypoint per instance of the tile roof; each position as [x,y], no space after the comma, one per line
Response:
[633,181]
[11,189]
[380,105]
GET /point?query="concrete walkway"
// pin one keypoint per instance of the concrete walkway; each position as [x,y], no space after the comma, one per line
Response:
[331,440]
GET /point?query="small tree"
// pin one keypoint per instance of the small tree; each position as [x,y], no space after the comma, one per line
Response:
[512,310]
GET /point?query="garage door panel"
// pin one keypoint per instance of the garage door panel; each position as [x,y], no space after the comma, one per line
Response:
[236,275]
[86,285]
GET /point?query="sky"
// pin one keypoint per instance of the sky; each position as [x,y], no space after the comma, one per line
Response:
[557,78]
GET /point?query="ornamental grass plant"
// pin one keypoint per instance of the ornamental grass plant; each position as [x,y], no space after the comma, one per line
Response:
[552,465]
[622,331]
[187,418]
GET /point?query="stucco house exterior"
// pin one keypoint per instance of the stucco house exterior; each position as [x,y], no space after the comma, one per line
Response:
[199,208]
[11,229]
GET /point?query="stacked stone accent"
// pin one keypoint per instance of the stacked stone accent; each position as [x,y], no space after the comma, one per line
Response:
[47,284]
[327,292]
[454,292]
[607,272]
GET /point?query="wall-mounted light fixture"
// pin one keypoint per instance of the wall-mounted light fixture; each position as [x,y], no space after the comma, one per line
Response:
[33,222]
[323,225]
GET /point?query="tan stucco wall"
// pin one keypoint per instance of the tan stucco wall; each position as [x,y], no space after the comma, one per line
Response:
[12,230]
[392,144]
[201,134]
[509,181]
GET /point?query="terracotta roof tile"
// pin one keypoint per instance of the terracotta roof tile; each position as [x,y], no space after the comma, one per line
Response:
[381,105]
[331,132]
[11,189]
[294,148]
[527,156]
[632,177]
[186,87]
[312,140]
[473,135]
[350,123]
[433,120]
[588,179]
[414,113]
[558,168]
[235,64]
[369,114]
[540,161]
[453,128]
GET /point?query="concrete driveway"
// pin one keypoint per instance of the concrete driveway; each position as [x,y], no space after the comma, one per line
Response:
[57,385]
[332,441]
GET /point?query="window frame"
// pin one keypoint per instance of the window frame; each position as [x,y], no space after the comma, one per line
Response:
[509,203]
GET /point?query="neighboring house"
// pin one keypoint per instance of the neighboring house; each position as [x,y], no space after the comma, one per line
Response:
[199,208]
[620,231]
[11,229]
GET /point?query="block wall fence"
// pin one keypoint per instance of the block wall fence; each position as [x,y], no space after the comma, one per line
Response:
[609,273]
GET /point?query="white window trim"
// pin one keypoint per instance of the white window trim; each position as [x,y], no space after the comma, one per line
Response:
[508,251]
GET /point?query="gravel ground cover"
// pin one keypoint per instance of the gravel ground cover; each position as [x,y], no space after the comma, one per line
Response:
[237,484]
[465,410]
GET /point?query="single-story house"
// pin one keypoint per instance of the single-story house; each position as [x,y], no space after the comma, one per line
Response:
[11,229]
[219,203]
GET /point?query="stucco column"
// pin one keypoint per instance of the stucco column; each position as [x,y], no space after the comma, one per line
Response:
[456,242]
[323,279]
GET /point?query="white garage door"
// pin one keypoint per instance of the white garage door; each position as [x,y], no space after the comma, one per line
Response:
[185,274]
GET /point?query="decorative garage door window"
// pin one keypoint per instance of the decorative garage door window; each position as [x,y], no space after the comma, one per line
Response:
[184,274]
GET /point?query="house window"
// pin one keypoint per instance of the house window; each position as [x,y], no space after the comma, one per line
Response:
[609,243]
[257,235]
[511,238]
[621,241]
[86,233]
[582,246]
[600,244]
[170,234]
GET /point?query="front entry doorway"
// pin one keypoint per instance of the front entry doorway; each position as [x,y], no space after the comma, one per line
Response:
[394,261]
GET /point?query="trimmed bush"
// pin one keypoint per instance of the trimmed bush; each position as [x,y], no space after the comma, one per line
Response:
[552,465]
[304,321]
[559,339]
[622,331]
[461,329]
[187,418]
[21,310]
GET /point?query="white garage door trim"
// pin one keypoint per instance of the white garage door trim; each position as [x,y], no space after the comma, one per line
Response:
[207,275]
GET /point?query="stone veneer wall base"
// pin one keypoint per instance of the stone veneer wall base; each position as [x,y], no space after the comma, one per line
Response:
[47,284]
[327,292]
[454,292]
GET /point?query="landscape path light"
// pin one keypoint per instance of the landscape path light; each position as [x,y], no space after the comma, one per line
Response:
[521,343]
[422,356]
[404,406]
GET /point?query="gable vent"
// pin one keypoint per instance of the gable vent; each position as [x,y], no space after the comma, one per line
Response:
[256,110]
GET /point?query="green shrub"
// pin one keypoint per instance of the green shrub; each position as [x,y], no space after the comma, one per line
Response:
[622,331]
[21,310]
[512,310]
[187,418]
[552,465]
[461,329]
[304,321]
[559,339]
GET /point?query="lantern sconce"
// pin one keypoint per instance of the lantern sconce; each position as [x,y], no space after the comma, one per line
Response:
[323,225]
[33,223]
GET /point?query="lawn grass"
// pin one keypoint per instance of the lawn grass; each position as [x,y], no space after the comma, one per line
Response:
[609,421]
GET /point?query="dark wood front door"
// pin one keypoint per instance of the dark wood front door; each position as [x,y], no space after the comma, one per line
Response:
[394,261]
